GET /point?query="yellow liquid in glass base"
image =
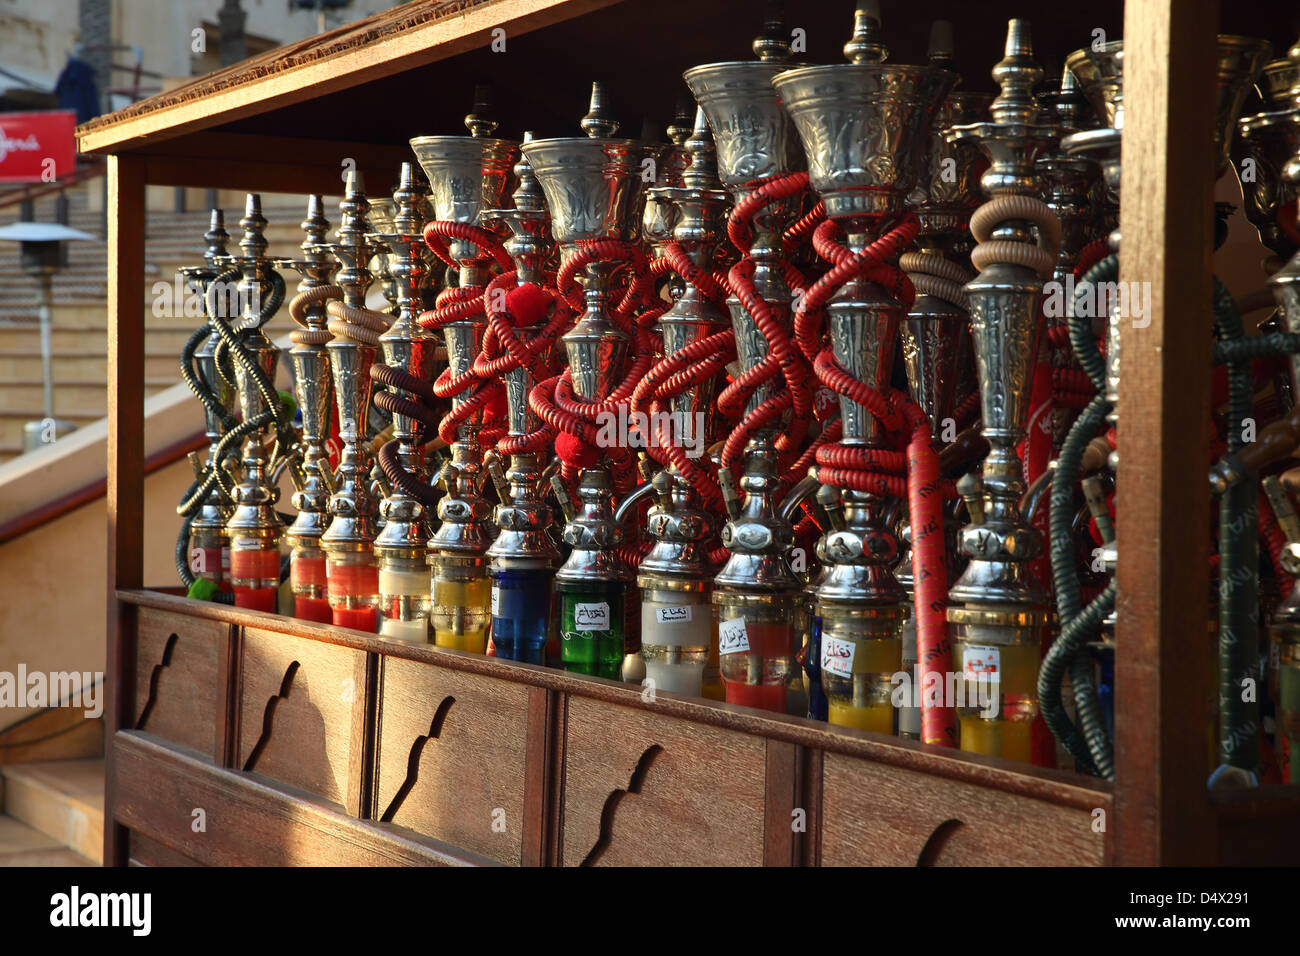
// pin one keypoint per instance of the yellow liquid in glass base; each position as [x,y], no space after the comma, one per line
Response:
[469,632]
[997,738]
[877,717]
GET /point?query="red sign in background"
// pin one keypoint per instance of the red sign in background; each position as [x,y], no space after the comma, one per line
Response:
[29,140]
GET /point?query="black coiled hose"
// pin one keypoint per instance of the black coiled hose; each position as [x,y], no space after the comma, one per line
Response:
[389,400]
[1088,743]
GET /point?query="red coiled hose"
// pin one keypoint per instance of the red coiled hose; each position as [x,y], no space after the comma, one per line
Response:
[881,471]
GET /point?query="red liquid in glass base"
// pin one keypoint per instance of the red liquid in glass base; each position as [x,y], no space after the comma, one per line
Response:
[313,609]
[256,599]
[762,696]
[360,618]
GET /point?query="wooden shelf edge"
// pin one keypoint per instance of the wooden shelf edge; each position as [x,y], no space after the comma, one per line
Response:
[1057,787]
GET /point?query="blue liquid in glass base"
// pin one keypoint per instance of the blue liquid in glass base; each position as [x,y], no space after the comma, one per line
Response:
[521,618]
[818,705]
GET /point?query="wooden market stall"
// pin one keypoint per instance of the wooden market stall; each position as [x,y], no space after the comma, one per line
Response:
[310,744]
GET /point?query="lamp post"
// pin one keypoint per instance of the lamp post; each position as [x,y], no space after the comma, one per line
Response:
[42,255]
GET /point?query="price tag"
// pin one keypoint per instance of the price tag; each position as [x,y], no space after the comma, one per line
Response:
[496,601]
[837,656]
[591,617]
[674,614]
[732,638]
[981,662]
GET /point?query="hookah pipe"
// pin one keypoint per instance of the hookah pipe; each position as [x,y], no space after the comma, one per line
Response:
[698,345]
[462,595]
[997,611]
[593,187]
[526,316]
[352,573]
[862,298]
[255,528]
[202,551]
[409,352]
[310,360]
[755,594]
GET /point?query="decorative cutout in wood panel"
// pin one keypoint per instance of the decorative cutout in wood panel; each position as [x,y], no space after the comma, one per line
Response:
[670,792]
[456,744]
[177,678]
[877,815]
[298,701]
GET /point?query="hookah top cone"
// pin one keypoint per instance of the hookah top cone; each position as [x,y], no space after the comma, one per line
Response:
[529,222]
[864,124]
[592,183]
[1240,62]
[467,174]
[754,135]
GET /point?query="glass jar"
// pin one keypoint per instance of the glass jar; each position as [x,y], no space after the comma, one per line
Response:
[592,631]
[404,588]
[352,579]
[521,614]
[995,654]
[255,573]
[756,648]
[459,608]
[308,582]
[676,633]
[209,557]
[1288,699]
[861,651]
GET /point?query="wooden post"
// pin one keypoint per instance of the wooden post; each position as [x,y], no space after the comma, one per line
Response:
[126,228]
[1162,684]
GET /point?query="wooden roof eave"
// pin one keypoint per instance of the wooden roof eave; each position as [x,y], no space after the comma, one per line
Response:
[264,87]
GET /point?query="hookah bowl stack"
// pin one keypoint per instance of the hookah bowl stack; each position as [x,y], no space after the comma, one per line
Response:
[353,577]
[254,527]
[996,611]
[310,360]
[755,593]
[524,547]
[864,126]
[207,549]
[401,549]
[593,190]
[467,174]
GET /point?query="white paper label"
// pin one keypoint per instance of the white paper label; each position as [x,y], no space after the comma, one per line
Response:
[837,656]
[496,601]
[732,638]
[674,614]
[591,617]
[981,662]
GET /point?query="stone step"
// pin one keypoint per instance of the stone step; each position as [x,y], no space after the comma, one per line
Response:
[61,799]
[80,364]
[21,845]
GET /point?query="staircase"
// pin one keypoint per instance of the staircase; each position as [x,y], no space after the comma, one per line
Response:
[80,331]
[52,813]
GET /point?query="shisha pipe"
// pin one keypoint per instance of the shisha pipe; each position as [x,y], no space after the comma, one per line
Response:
[310,359]
[401,549]
[864,126]
[996,611]
[755,593]
[936,331]
[698,344]
[593,188]
[526,316]
[202,549]
[349,541]
[467,174]
[254,527]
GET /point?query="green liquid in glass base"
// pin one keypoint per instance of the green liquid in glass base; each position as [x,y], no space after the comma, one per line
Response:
[591,627]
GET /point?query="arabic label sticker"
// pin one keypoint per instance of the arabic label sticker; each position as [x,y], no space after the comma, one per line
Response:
[732,638]
[496,601]
[837,656]
[591,617]
[981,662]
[673,614]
